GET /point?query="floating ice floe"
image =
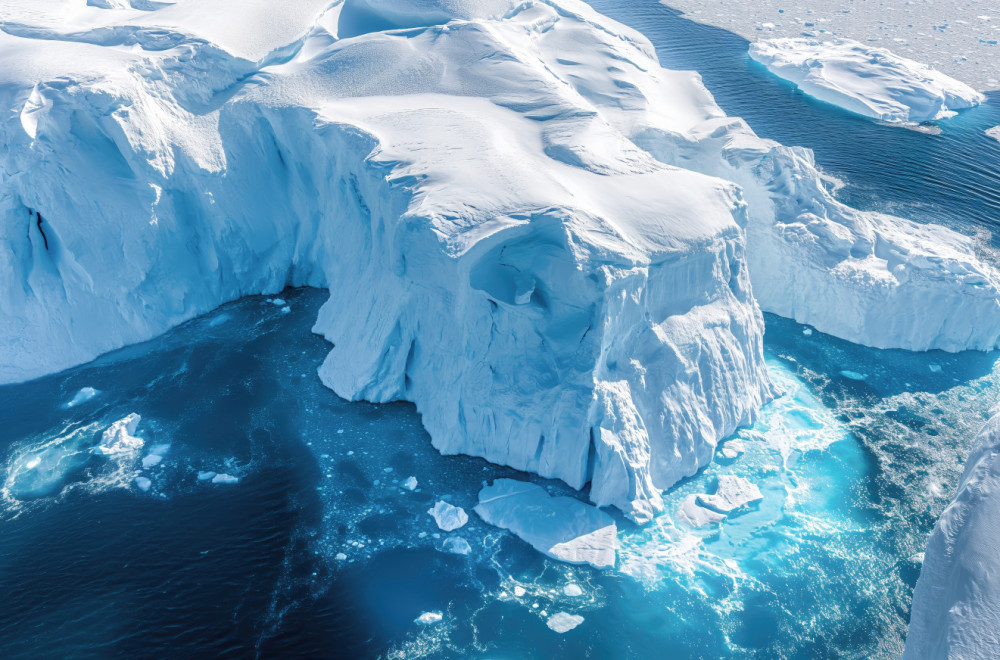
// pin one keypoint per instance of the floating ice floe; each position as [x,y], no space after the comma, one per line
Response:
[572,590]
[994,133]
[428,618]
[731,493]
[119,438]
[143,484]
[852,375]
[206,475]
[225,479]
[456,545]
[562,622]
[732,448]
[85,394]
[410,483]
[561,527]
[448,517]
[866,80]
[692,513]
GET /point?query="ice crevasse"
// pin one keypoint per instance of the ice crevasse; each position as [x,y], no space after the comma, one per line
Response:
[548,243]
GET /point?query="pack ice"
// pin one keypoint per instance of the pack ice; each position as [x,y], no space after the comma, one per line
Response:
[527,227]
[956,603]
[867,80]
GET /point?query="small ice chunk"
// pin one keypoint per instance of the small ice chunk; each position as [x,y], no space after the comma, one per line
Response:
[205,475]
[225,479]
[410,483]
[456,545]
[935,368]
[852,375]
[562,622]
[994,133]
[732,493]
[151,460]
[119,438]
[448,517]
[143,483]
[85,394]
[387,470]
[428,618]
[519,591]
[340,556]
[807,332]
[572,590]
[286,309]
[696,515]
[732,449]
[218,320]
[278,302]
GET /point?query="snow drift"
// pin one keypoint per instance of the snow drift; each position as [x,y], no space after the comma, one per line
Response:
[527,227]
[956,603]
[865,80]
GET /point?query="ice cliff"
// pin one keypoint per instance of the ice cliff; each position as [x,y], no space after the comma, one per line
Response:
[864,79]
[527,227]
[956,603]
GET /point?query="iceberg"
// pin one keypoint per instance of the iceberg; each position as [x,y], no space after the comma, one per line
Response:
[956,603]
[555,248]
[560,527]
[866,80]
[82,396]
[448,517]
[119,439]
[456,545]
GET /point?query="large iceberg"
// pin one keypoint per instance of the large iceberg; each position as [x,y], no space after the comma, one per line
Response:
[867,80]
[527,227]
[956,603]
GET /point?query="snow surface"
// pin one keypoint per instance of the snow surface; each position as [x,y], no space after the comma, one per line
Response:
[527,227]
[958,37]
[561,527]
[865,80]
[956,603]
[448,517]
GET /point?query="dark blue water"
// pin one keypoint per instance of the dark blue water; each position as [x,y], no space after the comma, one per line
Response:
[317,550]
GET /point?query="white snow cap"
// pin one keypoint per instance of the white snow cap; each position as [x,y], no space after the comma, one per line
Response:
[561,527]
[448,517]
[864,79]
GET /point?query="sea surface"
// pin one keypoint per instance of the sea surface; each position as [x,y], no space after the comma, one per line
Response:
[306,543]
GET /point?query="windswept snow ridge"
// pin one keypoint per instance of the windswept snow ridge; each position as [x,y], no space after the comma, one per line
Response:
[507,201]
[956,603]
[866,80]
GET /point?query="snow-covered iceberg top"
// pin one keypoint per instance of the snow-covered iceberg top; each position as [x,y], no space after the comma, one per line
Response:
[864,79]
[561,527]
[956,603]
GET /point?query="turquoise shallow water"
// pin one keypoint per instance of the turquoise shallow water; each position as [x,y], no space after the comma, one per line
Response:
[318,551]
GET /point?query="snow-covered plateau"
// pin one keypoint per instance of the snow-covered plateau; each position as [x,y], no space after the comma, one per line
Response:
[865,80]
[956,603]
[555,248]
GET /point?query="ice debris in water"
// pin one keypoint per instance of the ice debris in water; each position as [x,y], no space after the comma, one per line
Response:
[572,590]
[225,479]
[562,622]
[852,375]
[448,517]
[143,483]
[731,493]
[994,133]
[151,460]
[85,394]
[456,545]
[278,302]
[807,332]
[692,513]
[935,368]
[205,475]
[428,618]
[410,483]
[732,449]
[561,527]
[286,309]
[119,438]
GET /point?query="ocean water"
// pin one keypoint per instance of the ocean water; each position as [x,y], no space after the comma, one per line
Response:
[310,546]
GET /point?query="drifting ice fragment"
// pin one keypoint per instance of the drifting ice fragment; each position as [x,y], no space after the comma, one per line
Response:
[225,479]
[562,622]
[732,448]
[572,590]
[151,460]
[206,475]
[456,545]
[85,394]
[561,527]
[448,517]
[143,483]
[410,483]
[428,617]
[732,493]
[119,438]
[696,515]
